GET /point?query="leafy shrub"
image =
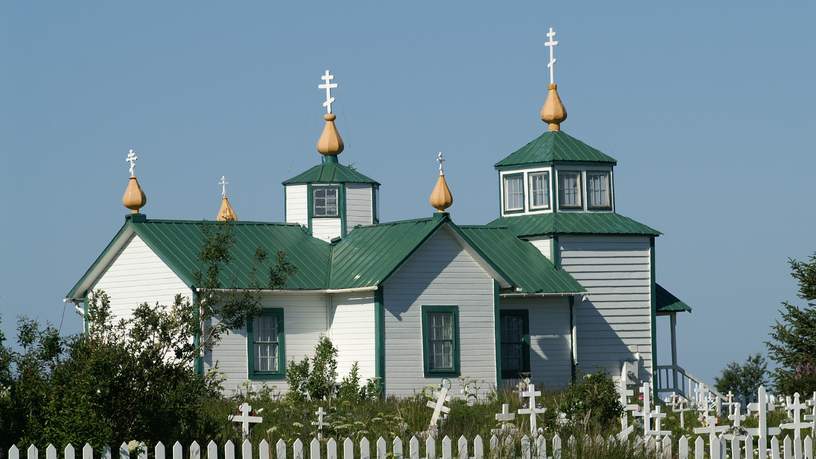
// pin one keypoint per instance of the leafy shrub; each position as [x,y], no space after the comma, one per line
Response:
[592,401]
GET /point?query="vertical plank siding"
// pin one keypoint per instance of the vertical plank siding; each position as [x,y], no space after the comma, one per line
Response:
[615,322]
[440,272]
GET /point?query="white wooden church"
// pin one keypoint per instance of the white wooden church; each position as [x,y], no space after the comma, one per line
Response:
[558,285]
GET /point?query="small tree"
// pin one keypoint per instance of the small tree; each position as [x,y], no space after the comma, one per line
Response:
[793,339]
[743,380]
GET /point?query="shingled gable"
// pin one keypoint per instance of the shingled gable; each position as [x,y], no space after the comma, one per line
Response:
[365,258]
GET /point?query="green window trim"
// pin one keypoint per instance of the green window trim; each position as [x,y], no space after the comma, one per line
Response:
[250,335]
[454,370]
[579,191]
[497,331]
[504,178]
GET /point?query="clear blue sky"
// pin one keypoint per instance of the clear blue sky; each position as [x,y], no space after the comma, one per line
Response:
[709,110]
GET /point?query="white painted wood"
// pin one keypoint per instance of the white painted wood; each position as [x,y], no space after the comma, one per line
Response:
[382,449]
[543,244]
[297,449]
[699,448]
[808,447]
[462,448]
[359,205]
[137,275]
[14,452]
[106,453]
[297,204]
[314,449]
[69,452]
[556,444]
[440,272]
[326,228]
[683,448]
[87,452]
[348,449]
[447,448]
[280,449]
[331,449]
[396,447]
[50,452]
[616,273]
[550,359]
[787,448]
[365,449]
[775,448]
[351,329]
[177,451]
[124,452]
[142,452]
[526,449]
[158,451]
[263,449]
[229,450]
[212,450]
[413,447]
[478,447]
[430,447]
[305,320]
[195,450]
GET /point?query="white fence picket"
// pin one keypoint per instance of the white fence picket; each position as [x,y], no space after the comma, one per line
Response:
[158,450]
[699,448]
[124,452]
[797,447]
[106,453]
[808,446]
[246,450]
[525,447]
[331,449]
[50,452]
[263,449]
[666,448]
[229,450]
[178,451]
[787,448]
[14,453]
[31,452]
[396,448]
[365,449]
[462,448]
[195,450]
[775,448]
[297,449]
[382,449]
[735,448]
[540,448]
[68,452]
[447,448]
[87,452]
[478,447]
[212,450]
[314,449]
[430,447]
[556,444]
[348,449]
[280,449]
[749,447]
[413,448]
[682,448]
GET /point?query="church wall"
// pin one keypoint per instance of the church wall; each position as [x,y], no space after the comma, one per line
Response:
[543,244]
[326,228]
[296,204]
[549,321]
[351,329]
[440,272]
[359,205]
[305,319]
[615,322]
[137,275]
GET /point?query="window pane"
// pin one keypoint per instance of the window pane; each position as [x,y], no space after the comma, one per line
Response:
[598,190]
[569,189]
[441,344]
[325,201]
[265,343]
[540,190]
[513,192]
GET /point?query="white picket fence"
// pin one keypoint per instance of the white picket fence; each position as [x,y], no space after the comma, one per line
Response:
[717,448]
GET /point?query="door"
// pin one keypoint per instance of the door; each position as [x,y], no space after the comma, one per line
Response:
[515,343]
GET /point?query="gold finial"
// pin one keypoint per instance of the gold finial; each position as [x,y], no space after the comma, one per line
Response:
[134,198]
[330,143]
[441,197]
[553,112]
[225,213]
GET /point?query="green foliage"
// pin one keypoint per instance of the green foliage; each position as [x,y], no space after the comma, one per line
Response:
[592,402]
[743,380]
[793,339]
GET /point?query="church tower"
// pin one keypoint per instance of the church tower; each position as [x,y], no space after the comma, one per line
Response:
[330,199]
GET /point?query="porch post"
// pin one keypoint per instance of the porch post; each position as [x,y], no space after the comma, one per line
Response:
[673,322]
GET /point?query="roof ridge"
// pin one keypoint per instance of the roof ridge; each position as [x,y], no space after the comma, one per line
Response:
[211,222]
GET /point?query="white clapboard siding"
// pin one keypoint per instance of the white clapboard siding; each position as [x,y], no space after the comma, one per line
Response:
[544,245]
[137,275]
[305,320]
[440,272]
[550,362]
[351,329]
[326,228]
[297,203]
[359,205]
[615,322]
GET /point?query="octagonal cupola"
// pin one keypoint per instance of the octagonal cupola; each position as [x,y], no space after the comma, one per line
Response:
[331,198]
[555,172]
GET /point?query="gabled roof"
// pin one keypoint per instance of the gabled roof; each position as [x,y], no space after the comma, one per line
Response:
[529,270]
[365,258]
[555,223]
[555,146]
[667,302]
[330,171]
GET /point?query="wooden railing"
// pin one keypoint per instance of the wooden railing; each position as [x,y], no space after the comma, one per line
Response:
[674,379]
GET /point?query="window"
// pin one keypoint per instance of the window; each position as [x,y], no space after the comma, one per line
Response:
[514,192]
[539,190]
[598,190]
[515,345]
[569,190]
[324,199]
[265,342]
[440,340]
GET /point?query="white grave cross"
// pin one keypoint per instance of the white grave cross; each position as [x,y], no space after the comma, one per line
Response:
[646,410]
[551,43]
[328,86]
[679,404]
[530,394]
[762,430]
[624,393]
[711,428]
[223,182]
[319,423]
[812,416]
[736,418]
[438,406]
[505,418]
[658,416]
[795,408]
[131,159]
[245,419]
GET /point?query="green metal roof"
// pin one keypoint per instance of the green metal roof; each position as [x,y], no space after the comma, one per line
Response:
[573,223]
[527,268]
[555,146]
[369,254]
[330,171]
[667,302]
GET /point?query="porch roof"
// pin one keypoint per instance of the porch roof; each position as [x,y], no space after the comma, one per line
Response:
[667,302]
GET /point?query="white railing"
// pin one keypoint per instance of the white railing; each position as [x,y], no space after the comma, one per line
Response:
[714,447]
[674,379]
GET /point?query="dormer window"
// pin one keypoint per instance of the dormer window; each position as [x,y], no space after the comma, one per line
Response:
[324,199]
[569,189]
[539,190]
[598,190]
[514,193]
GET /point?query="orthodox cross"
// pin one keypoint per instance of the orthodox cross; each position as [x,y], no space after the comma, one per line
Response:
[551,44]
[658,416]
[796,408]
[646,410]
[441,160]
[319,423]
[679,404]
[505,418]
[711,428]
[328,86]
[245,419]
[131,159]
[762,430]
[736,418]
[530,394]
[438,406]
[729,401]
[223,182]
[624,393]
